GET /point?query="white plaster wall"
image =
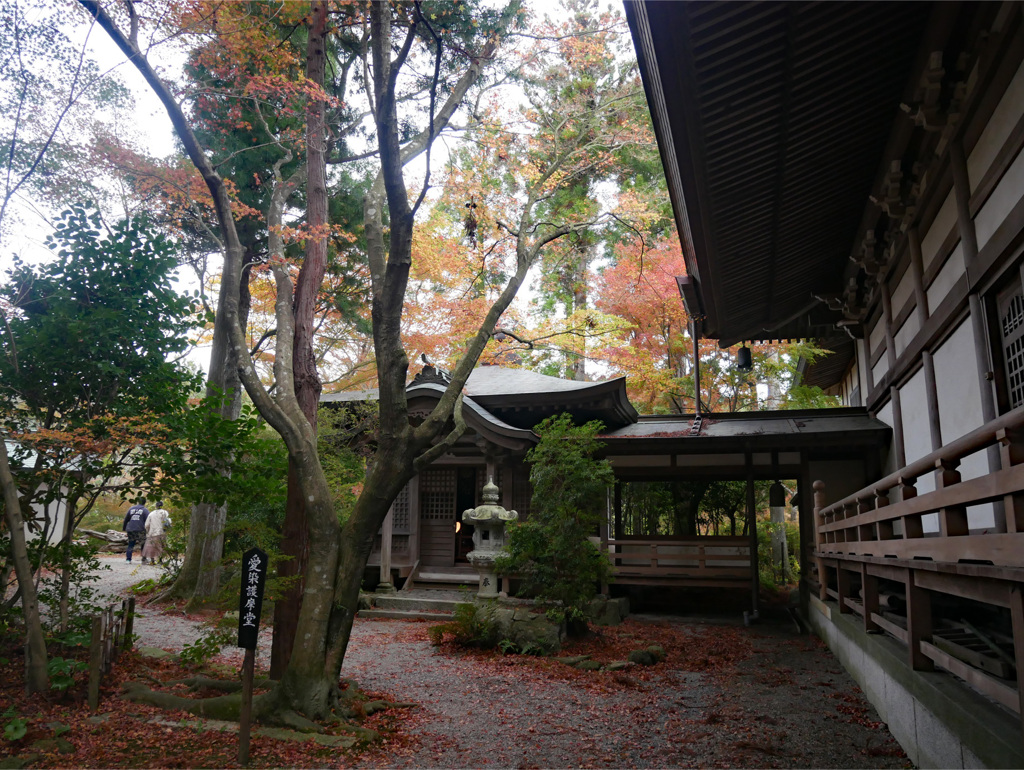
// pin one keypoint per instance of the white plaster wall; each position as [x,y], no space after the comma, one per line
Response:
[956,378]
[1002,200]
[902,293]
[879,370]
[944,221]
[906,333]
[949,275]
[998,129]
[877,337]
[917,440]
[885,415]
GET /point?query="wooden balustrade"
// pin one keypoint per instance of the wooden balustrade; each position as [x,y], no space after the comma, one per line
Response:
[879,534]
[722,561]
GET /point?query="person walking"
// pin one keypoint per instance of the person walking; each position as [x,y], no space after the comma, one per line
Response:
[156,534]
[135,525]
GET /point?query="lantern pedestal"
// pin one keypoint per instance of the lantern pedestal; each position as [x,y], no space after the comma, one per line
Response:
[488,522]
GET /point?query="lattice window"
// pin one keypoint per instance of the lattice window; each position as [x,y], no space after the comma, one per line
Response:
[1012,326]
[522,492]
[437,495]
[400,544]
[400,511]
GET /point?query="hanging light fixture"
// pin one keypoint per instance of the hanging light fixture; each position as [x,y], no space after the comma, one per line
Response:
[744,361]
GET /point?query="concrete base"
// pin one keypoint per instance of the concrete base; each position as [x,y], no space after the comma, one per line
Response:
[939,721]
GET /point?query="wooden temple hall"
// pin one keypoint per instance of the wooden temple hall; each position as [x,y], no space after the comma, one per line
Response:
[657,461]
[853,173]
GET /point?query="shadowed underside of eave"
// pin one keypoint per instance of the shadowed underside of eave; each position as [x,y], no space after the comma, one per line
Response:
[778,114]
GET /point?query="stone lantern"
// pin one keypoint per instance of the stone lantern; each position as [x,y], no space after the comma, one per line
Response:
[488,522]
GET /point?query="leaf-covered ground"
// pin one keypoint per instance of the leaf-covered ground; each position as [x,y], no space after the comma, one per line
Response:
[725,696]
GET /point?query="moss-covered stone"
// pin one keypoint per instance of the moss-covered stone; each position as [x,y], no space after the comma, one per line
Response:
[589,665]
[641,657]
[657,651]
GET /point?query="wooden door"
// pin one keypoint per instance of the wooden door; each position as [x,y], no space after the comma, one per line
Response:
[437,517]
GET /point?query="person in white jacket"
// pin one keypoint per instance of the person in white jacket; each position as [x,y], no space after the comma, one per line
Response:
[156,533]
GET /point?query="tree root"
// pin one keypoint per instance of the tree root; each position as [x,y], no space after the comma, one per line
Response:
[267,708]
[221,685]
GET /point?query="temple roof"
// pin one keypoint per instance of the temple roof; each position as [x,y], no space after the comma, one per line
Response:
[773,121]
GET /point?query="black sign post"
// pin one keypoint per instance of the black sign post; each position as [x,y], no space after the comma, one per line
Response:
[250,604]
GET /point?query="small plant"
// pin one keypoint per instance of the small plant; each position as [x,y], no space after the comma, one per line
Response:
[470,626]
[143,587]
[205,647]
[16,726]
[62,672]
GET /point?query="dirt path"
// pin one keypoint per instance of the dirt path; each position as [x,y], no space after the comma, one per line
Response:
[726,696]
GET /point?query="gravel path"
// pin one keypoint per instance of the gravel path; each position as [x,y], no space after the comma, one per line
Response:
[787,703]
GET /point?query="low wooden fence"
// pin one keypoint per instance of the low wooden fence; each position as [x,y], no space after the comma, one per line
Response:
[710,562]
[111,632]
[875,541]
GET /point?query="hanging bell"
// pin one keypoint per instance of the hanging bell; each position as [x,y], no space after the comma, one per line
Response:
[744,361]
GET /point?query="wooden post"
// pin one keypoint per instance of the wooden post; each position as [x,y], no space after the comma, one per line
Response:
[843,588]
[755,587]
[385,585]
[919,624]
[108,639]
[245,713]
[953,519]
[1011,449]
[128,615]
[884,528]
[911,524]
[95,662]
[869,596]
[819,538]
[1017,619]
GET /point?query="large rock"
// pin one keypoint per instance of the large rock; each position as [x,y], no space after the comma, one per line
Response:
[603,611]
[539,634]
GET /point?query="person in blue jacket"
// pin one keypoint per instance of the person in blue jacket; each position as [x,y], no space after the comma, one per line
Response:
[135,525]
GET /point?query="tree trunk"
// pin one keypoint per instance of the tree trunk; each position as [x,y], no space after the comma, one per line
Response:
[307,381]
[36,676]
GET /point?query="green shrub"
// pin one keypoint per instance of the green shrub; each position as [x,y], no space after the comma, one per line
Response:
[470,626]
[551,553]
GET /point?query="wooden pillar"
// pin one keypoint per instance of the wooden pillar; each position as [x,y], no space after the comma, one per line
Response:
[917,275]
[819,538]
[919,624]
[894,392]
[931,394]
[386,530]
[883,529]
[755,579]
[1017,619]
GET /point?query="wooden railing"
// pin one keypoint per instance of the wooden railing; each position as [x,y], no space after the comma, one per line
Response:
[111,632]
[714,562]
[869,542]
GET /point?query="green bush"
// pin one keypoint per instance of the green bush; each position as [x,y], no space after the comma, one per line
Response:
[470,626]
[551,553]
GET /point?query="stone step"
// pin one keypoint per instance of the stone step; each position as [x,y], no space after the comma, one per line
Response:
[416,603]
[447,580]
[405,615]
